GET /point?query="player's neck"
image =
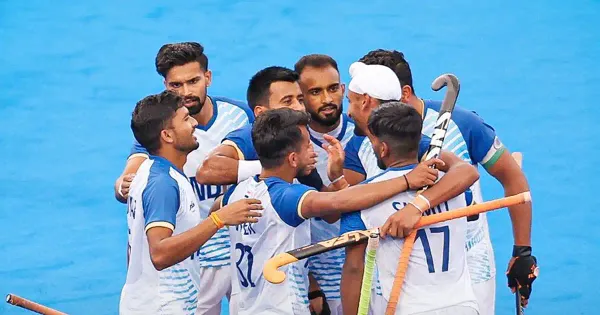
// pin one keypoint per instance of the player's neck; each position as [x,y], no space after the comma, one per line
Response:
[400,162]
[320,128]
[284,172]
[174,156]
[417,103]
[206,113]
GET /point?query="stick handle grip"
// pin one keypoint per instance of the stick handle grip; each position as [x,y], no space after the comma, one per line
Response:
[30,305]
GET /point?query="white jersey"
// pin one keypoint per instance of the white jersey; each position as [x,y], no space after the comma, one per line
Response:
[281,228]
[327,267]
[159,196]
[475,142]
[437,276]
[228,115]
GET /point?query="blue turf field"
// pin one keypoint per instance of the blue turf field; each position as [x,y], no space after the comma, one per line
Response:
[71,73]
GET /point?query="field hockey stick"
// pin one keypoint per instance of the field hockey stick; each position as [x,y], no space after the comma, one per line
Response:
[273,275]
[435,148]
[518,307]
[367,281]
[31,306]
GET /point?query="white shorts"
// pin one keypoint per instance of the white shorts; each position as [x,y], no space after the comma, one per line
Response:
[485,292]
[218,286]
[336,307]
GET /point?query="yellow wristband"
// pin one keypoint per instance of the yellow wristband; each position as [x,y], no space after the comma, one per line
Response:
[216,220]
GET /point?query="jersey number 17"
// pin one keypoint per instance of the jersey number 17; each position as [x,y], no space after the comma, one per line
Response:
[422,235]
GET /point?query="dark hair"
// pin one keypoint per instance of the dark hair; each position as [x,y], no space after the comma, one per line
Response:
[260,83]
[276,133]
[152,115]
[316,61]
[392,59]
[399,125]
[179,54]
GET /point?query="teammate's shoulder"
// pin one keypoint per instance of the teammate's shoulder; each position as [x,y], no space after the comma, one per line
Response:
[228,102]
[390,172]
[461,116]
[356,141]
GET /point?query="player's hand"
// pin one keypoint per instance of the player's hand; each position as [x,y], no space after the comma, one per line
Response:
[522,271]
[318,303]
[241,211]
[125,184]
[424,175]
[313,161]
[401,223]
[335,157]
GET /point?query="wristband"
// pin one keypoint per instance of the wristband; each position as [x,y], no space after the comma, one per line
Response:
[520,251]
[416,206]
[247,169]
[425,199]
[407,184]
[337,179]
[216,220]
[315,294]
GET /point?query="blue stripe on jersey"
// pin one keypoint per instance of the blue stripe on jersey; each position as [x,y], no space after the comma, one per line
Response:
[243,140]
[285,198]
[160,198]
[471,132]
[239,104]
[352,161]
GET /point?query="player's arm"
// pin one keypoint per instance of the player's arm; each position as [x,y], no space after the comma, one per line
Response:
[137,156]
[161,204]
[459,177]
[231,162]
[319,204]
[513,180]
[354,264]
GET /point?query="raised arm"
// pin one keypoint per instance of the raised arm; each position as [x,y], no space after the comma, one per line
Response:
[318,204]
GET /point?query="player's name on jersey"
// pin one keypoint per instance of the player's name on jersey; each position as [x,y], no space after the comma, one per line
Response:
[443,207]
[205,192]
[245,228]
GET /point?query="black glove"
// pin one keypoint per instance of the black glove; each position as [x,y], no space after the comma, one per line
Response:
[313,180]
[522,271]
[315,294]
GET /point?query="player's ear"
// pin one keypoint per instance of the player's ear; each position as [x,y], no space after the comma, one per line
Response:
[208,77]
[343,87]
[385,150]
[406,93]
[293,159]
[166,135]
[259,109]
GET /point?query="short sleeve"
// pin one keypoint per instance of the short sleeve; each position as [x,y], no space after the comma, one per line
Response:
[160,200]
[138,150]
[484,146]
[352,161]
[227,195]
[241,140]
[287,200]
[351,221]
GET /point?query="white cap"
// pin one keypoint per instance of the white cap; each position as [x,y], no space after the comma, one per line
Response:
[374,80]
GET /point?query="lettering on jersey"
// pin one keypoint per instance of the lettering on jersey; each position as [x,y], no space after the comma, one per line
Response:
[131,205]
[245,228]
[196,254]
[443,207]
[437,138]
[205,192]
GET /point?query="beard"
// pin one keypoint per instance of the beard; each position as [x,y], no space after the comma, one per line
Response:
[187,146]
[328,120]
[195,109]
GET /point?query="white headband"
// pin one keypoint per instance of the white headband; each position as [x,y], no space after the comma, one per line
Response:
[374,80]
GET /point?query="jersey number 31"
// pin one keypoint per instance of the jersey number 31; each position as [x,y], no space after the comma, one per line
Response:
[245,276]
